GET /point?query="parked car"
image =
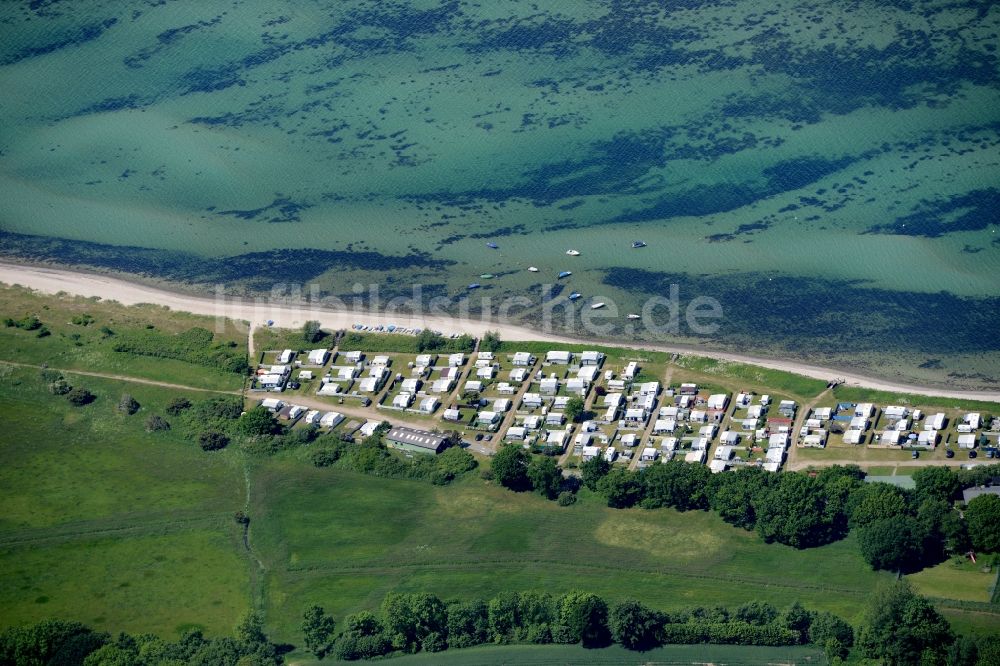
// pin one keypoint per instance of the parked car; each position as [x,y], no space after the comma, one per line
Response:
[915,454]
[948,453]
[295,386]
[972,454]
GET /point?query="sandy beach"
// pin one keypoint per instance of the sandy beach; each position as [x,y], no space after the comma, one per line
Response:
[54,280]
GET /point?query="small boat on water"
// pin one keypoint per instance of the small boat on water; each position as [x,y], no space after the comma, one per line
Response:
[532,269]
[474,285]
[597,306]
[573,253]
[487,276]
[493,246]
[638,244]
[633,316]
[575,295]
[565,274]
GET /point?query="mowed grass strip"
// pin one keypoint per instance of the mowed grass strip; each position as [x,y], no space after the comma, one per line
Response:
[343,540]
[162,584]
[61,464]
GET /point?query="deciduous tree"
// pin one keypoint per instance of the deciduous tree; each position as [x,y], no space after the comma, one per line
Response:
[317,630]
[510,467]
[545,476]
[983,518]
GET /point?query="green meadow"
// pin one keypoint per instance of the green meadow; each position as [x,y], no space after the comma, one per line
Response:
[123,529]
[84,331]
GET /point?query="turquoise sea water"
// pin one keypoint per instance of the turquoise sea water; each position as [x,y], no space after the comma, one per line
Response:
[830,171]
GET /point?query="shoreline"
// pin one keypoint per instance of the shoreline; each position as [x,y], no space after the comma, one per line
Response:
[52,280]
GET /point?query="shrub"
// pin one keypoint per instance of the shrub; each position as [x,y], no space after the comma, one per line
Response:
[79,397]
[178,405]
[325,457]
[156,423]
[258,422]
[311,332]
[128,405]
[28,323]
[59,387]
[212,440]
[566,498]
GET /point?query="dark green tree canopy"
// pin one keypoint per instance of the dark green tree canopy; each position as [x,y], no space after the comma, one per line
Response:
[983,518]
[510,467]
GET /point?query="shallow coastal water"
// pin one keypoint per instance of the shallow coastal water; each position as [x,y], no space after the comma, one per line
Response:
[830,171]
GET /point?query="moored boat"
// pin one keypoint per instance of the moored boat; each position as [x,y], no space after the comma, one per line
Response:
[487,276]
[474,285]
[597,306]
[493,246]
[532,269]
[565,274]
[575,295]
[573,253]
[638,244]
[633,316]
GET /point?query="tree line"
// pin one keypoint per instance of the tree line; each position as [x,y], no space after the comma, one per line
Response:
[74,644]
[408,623]
[898,627]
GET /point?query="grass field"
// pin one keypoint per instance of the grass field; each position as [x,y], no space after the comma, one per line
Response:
[344,540]
[80,346]
[857,394]
[754,377]
[961,580]
[175,578]
[103,522]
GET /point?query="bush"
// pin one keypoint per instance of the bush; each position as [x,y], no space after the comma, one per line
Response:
[212,440]
[566,498]
[311,332]
[156,423]
[219,407]
[59,387]
[128,405]
[28,323]
[80,397]
[325,457]
[259,422]
[178,405]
